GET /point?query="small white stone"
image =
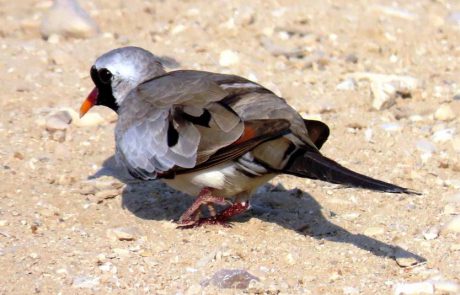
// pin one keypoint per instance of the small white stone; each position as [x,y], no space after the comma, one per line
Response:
[228,58]
[413,288]
[123,233]
[395,11]
[85,282]
[121,252]
[391,127]
[105,267]
[347,84]
[178,29]
[33,255]
[455,183]
[4,222]
[431,234]
[425,146]
[374,231]
[67,18]
[443,135]
[351,216]
[90,119]
[453,225]
[455,198]
[385,88]
[350,290]
[59,120]
[445,113]
[106,194]
[368,134]
[446,287]
[290,259]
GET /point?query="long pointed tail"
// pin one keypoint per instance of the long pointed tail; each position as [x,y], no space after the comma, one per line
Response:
[316,166]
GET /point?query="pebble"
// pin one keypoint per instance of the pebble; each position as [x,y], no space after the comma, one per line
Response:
[90,119]
[454,18]
[66,18]
[444,113]
[290,259]
[59,136]
[231,278]
[413,288]
[425,146]
[391,127]
[455,198]
[121,252]
[368,133]
[4,222]
[351,216]
[104,195]
[85,282]
[59,120]
[449,209]
[228,58]
[431,234]
[374,231]
[455,247]
[385,88]
[103,183]
[352,58]
[444,286]
[347,84]
[350,290]
[105,267]
[453,225]
[395,12]
[454,183]
[123,233]
[443,135]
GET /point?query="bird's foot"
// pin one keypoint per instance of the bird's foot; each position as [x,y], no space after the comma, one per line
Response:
[206,197]
[219,219]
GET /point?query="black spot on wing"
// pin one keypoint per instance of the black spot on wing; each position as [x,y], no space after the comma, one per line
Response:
[202,120]
[238,94]
[173,135]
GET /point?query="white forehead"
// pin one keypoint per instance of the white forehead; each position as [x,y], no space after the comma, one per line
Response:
[118,64]
[132,63]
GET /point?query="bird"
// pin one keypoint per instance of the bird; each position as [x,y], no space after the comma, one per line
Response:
[214,136]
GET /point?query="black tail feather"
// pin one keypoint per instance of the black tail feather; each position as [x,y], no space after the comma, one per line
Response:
[316,166]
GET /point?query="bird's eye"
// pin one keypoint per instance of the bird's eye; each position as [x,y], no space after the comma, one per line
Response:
[105,76]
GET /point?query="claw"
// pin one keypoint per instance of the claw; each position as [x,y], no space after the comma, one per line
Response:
[219,219]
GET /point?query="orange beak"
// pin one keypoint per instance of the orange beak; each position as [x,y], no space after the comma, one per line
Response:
[89,102]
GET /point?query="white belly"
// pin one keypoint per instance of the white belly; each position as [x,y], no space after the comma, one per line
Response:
[224,178]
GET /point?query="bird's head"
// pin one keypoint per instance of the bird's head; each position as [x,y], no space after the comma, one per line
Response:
[117,72]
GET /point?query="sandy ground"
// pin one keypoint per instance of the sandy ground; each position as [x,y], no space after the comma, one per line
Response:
[68,227]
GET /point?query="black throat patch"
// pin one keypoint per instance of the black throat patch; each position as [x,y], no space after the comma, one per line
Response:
[105,96]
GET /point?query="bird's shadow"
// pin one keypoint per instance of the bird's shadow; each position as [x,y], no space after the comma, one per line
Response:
[292,209]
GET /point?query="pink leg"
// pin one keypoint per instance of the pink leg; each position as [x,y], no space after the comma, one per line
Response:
[192,214]
[221,218]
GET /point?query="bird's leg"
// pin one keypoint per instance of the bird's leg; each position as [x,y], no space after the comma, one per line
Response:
[221,218]
[206,197]
[234,209]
